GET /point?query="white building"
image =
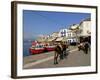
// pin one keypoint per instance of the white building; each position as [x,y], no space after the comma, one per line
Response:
[85,29]
[63,32]
[62,35]
[73,33]
[68,34]
[71,37]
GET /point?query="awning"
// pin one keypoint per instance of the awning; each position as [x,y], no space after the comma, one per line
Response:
[52,39]
[85,35]
[59,39]
[64,39]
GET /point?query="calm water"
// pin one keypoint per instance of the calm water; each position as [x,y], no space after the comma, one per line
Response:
[26,46]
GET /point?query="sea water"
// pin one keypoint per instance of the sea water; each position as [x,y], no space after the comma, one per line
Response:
[26,45]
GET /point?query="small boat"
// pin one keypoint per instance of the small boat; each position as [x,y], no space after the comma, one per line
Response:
[36,49]
[40,49]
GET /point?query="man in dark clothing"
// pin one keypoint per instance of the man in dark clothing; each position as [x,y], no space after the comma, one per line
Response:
[57,54]
[64,50]
[86,47]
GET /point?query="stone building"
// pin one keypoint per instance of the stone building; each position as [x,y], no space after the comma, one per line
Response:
[85,30]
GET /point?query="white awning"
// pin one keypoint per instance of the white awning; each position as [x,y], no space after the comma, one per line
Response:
[59,39]
[52,39]
[85,35]
[64,39]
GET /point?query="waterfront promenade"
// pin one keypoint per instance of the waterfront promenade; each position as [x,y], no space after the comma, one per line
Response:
[45,60]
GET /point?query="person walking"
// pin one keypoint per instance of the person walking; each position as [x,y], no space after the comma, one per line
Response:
[65,50]
[62,51]
[57,53]
[86,47]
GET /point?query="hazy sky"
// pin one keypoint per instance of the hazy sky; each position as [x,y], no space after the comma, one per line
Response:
[43,22]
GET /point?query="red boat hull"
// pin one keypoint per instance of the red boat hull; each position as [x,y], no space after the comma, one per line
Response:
[37,51]
[50,49]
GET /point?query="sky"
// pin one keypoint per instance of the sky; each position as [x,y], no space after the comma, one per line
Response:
[36,23]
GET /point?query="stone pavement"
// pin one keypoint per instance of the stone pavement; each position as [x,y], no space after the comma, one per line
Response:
[75,58]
